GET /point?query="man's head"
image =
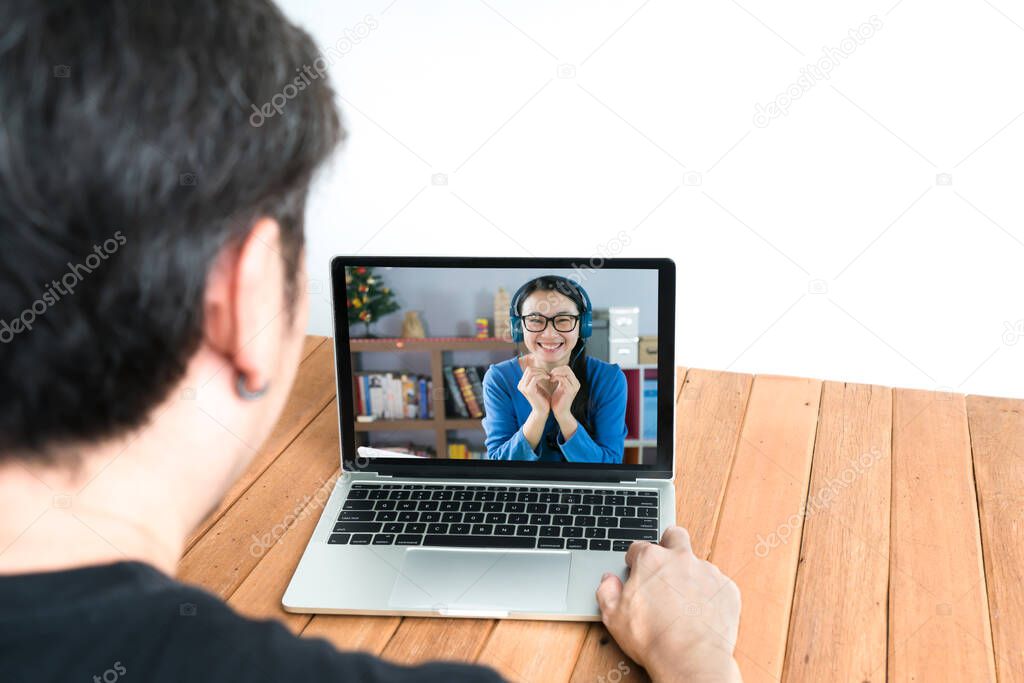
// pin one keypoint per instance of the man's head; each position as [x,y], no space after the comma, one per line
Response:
[150,231]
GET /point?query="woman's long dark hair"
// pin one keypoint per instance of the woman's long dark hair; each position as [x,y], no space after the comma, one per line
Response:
[580,408]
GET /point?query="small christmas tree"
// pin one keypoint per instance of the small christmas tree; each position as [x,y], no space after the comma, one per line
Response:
[368,299]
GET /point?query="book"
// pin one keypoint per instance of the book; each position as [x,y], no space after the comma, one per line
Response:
[454,393]
[424,405]
[391,396]
[474,375]
[467,392]
[650,411]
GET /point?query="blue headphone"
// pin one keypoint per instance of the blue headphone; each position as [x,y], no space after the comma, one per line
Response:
[586,315]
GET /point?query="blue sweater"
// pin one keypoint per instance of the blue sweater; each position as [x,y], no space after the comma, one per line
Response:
[506,410]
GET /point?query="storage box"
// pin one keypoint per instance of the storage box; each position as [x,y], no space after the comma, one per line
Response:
[623,351]
[648,351]
[623,322]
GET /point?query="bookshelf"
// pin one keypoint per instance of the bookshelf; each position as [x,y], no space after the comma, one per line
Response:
[436,347]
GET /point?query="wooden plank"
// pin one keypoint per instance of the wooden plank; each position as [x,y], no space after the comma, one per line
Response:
[223,557]
[425,639]
[259,595]
[766,489]
[530,651]
[938,615]
[353,633]
[997,441]
[312,391]
[709,412]
[310,345]
[838,626]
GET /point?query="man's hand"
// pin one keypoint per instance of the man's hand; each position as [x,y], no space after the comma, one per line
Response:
[676,615]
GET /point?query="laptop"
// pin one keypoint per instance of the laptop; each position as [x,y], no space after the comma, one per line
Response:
[506,430]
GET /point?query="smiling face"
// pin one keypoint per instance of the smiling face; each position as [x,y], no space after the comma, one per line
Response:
[550,347]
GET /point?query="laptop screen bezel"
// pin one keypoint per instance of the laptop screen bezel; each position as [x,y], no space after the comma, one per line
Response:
[443,467]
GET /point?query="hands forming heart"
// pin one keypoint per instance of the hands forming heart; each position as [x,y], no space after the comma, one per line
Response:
[549,390]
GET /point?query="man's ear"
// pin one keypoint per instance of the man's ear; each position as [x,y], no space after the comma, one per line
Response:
[244,294]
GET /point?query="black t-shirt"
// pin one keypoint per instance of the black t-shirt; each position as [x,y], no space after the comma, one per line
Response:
[130,621]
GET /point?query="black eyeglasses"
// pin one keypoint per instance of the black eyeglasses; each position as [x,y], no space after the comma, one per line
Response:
[535,322]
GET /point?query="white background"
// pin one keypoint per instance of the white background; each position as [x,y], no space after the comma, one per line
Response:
[822,244]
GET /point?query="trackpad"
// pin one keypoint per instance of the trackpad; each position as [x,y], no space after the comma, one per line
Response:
[453,580]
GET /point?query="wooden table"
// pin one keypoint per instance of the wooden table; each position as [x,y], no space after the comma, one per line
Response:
[906,564]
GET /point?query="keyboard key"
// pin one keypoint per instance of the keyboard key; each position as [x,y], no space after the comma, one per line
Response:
[603,510]
[519,519]
[399,494]
[558,509]
[647,512]
[592,499]
[647,493]
[504,530]
[633,534]
[493,507]
[408,539]
[572,532]
[548,498]
[451,517]
[393,527]
[459,529]
[427,505]
[360,539]
[339,539]
[594,532]
[406,505]
[570,498]
[608,522]
[462,495]
[537,507]
[371,527]
[383,539]
[357,505]
[420,495]
[482,529]
[473,517]
[614,500]
[365,486]
[505,496]
[386,516]
[550,531]
[484,495]
[356,516]
[386,504]
[586,520]
[415,528]
[471,506]
[641,500]
[526,530]
[543,542]
[441,495]
[378,494]
[540,520]
[527,497]
[437,529]
[430,516]
[358,494]
[576,544]
[597,544]
[579,510]
[408,516]
[638,523]
[480,541]
[562,520]
[621,546]
[625,511]
[515,507]
[449,506]
[496,518]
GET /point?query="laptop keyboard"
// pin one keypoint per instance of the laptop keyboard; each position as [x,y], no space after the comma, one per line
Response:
[480,516]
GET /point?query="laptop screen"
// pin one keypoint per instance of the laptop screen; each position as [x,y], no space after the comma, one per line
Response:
[526,364]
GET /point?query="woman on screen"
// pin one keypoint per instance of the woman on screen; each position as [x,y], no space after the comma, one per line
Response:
[554,403]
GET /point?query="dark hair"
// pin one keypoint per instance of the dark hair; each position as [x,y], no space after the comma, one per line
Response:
[131,127]
[580,408]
